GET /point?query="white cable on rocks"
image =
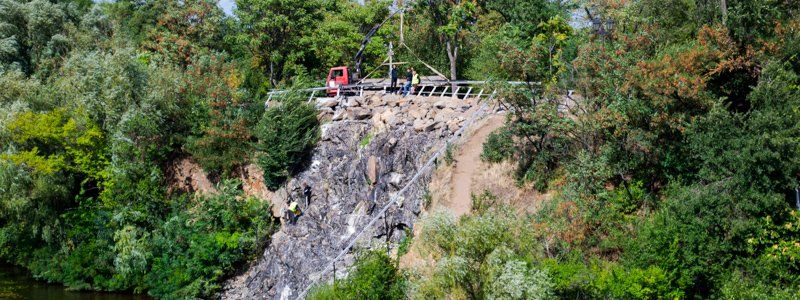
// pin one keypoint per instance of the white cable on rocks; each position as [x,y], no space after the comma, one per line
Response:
[393,200]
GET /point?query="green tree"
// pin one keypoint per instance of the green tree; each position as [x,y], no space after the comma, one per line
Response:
[286,135]
[272,32]
[34,34]
[452,20]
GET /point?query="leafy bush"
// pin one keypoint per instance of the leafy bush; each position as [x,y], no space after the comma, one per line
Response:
[483,256]
[197,247]
[374,275]
[499,146]
[286,135]
[604,280]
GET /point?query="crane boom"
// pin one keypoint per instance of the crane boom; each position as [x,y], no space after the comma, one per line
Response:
[360,54]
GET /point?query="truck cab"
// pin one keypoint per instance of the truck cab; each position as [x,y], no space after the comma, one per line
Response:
[337,77]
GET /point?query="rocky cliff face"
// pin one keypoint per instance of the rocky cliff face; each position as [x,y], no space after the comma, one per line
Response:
[369,150]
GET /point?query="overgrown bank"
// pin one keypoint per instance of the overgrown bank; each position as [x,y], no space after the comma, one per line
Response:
[97,101]
[673,162]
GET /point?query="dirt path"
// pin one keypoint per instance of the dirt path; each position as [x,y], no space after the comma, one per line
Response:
[466,164]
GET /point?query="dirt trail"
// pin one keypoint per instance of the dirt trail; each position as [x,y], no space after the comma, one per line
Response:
[466,164]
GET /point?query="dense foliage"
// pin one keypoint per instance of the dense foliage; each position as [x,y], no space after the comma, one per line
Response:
[374,275]
[675,160]
[286,134]
[97,102]
[668,134]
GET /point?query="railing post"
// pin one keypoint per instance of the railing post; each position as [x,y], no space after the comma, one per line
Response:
[455,93]
[433,89]
[479,95]
[468,91]
[445,91]
[797,197]
[312,95]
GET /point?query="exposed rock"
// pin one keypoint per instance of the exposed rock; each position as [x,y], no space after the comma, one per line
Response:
[339,115]
[349,184]
[372,169]
[424,125]
[253,182]
[327,102]
[440,104]
[188,176]
[360,113]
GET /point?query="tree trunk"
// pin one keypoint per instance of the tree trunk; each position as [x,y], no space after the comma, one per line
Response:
[452,54]
[724,8]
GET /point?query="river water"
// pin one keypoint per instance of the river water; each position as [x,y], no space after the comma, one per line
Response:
[15,284]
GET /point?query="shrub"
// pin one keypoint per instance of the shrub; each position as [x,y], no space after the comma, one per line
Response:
[197,247]
[375,275]
[487,255]
[286,136]
[606,280]
[498,147]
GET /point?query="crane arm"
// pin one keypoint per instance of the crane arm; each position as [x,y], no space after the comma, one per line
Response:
[360,54]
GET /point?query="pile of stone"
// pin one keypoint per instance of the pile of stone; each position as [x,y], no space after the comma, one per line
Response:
[423,114]
[369,150]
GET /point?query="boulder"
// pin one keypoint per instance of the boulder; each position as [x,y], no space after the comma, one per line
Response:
[415,112]
[444,115]
[339,115]
[396,179]
[424,126]
[327,102]
[352,102]
[359,113]
[372,170]
[432,114]
[454,103]
[392,100]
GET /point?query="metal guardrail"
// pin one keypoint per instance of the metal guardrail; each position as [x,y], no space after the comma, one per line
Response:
[463,89]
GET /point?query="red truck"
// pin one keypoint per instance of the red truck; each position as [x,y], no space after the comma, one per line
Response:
[337,77]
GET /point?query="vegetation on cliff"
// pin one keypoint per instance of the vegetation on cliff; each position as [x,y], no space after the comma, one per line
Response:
[673,161]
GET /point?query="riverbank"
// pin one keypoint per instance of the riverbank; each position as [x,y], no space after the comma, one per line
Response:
[16,283]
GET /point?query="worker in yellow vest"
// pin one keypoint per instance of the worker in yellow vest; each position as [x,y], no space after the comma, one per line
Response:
[414,81]
[294,210]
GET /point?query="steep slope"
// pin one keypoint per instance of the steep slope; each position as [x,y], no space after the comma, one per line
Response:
[367,154]
[467,163]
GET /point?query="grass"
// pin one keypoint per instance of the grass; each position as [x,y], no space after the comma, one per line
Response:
[366,140]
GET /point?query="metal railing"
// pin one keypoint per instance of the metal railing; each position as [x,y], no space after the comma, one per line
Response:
[461,89]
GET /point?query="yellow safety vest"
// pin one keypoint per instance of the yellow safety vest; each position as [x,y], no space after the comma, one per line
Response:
[293,207]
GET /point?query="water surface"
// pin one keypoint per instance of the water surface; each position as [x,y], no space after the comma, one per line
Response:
[15,284]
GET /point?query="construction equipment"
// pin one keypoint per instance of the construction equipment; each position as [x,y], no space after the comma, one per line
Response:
[342,75]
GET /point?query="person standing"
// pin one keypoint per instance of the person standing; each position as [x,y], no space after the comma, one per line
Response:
[393,77]
[414,81]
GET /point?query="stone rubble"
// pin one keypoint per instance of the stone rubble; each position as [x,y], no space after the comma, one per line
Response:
[349,184]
